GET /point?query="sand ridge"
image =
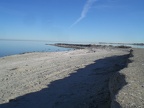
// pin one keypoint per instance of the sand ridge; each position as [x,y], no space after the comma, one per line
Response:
[131,94]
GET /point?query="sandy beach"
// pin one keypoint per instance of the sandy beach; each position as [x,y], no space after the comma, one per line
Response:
[71,53]
[127,87]
[69,79]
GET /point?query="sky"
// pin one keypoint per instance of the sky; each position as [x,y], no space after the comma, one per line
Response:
[73,20]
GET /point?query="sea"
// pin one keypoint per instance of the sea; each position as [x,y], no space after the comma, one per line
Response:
[12,47]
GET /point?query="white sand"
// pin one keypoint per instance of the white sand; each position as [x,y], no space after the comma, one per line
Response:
[32,72]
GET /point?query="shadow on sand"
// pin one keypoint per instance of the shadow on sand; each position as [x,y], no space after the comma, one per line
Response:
[117,82]
[86,88]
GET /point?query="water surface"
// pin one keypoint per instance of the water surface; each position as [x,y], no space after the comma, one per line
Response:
[17,47]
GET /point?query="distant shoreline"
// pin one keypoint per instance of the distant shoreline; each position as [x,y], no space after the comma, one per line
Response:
[83,46]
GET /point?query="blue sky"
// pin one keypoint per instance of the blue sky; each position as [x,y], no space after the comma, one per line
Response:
[73,20]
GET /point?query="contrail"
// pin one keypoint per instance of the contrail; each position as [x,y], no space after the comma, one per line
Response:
[84,12]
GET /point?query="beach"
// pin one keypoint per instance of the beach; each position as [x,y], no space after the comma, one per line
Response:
[72,79]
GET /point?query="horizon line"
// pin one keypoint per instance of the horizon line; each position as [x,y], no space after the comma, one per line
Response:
[71,41]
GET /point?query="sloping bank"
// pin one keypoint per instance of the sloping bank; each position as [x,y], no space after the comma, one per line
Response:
[127,86]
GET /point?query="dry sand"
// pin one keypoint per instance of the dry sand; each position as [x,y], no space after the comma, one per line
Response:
[70,79]
[130,82]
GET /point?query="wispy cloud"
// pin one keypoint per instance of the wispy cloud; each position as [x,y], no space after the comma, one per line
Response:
[84,12]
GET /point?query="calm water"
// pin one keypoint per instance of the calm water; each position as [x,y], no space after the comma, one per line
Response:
[17,47]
